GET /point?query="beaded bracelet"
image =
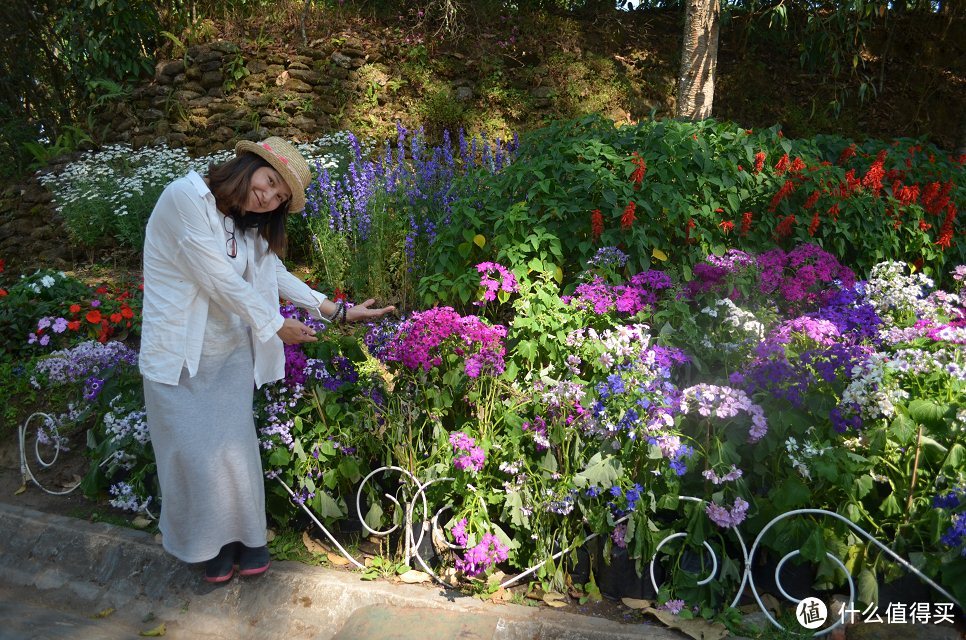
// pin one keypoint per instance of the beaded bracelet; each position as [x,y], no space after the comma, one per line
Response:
[339,308]
[345,311]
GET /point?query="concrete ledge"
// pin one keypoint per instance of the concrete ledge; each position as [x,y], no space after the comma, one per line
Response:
[94,566]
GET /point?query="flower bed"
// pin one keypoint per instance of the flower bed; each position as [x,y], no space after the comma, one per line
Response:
[587,392]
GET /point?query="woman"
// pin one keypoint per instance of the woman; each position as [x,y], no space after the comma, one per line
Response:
[212,328]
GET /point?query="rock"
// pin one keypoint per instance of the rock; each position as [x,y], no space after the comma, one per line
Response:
[198,122]
[194,85]
[256,66]
[757,620]
[184,95]
[206,56]
[125,125]
[464,94]
[354,51]
[305,75]
[301,66]
[224,46]
[211,79]
[169,68]
[300,60]
[296,85]
[211,65]
[341,60]
[223,134]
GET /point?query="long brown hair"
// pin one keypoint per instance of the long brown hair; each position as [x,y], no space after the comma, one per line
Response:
[230,183]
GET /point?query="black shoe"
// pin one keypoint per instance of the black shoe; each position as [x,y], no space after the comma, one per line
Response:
[253,561]
[222,567]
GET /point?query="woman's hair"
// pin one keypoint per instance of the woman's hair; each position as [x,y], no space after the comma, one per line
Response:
[230,183]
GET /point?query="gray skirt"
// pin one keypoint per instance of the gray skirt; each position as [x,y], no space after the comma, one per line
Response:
[209,466]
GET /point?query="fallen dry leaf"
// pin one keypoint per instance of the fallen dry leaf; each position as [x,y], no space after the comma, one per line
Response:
[155,632]
[501,595]
[313,546]
[697,628]
[23,487]
[413,576]
[634,603]
[336,559]
[103,613]
[140,522]
[555,599]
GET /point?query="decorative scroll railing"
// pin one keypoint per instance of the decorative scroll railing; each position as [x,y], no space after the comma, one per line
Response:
[411,494]
[430,525]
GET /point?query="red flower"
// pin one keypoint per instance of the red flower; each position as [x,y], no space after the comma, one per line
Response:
[727,226]
[3,292]
[687,231]
[3,264]
[812,199]
[101,290]
[782,165]
[873,178]
[745,223]
[338,294]
[784,192]
[847,153]
[924,226]
[94,317]
[833,211]
[73,325]
[785,227]
[798,165]
[946,231]
[75,308]
[126,312]
[759,161]
[749,131]
[116,318]
[905,195]
[596,223]
[641,168]
[740,168]
[813,225]
[627,219]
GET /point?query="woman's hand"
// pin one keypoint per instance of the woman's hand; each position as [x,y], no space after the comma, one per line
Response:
[363,311]
[295,332]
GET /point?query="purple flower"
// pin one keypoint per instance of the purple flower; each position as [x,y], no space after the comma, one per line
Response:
[618,535]
[724,517]
[489,552]
[60,325]
[95,303]
[459,532]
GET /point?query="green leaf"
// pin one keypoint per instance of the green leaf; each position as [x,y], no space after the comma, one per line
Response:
[813,548]
[927,412]
[374,516]
[600,471]
[326,506]
[279,457]
[868,587]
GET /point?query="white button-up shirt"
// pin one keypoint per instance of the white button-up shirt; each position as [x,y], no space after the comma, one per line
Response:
[186,266]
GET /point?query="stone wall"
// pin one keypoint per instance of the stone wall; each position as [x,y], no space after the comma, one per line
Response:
[217,94]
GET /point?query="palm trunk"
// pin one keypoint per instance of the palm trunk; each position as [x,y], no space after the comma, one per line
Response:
[699,60]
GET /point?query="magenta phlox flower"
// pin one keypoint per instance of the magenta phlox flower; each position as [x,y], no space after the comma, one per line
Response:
[638,294]
[420,342]
[472,458]
[504,281]
[724,403]
[727,518]
[806,275]
[489,552]
[459,532]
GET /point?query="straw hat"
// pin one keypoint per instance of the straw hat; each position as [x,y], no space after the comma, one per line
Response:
[287,161]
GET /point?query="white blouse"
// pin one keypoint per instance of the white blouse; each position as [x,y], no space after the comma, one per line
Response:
[186,267]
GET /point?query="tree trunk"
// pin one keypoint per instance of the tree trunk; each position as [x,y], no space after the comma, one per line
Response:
[699,59]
